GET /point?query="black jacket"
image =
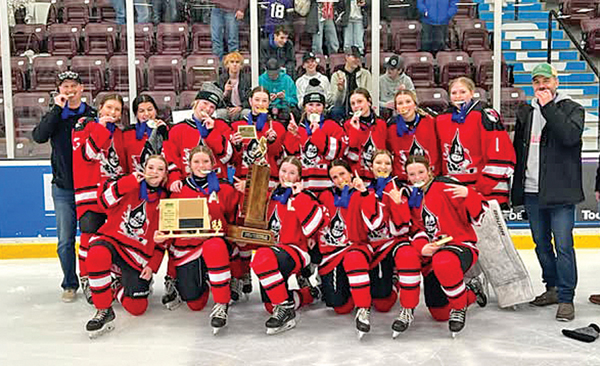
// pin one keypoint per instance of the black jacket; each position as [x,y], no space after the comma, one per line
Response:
[560,179]
[285,55]
[58,131]
[244,88]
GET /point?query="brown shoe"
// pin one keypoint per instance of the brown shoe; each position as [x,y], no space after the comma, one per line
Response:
[595,299]
[549,297]
[565,312]
[69,295]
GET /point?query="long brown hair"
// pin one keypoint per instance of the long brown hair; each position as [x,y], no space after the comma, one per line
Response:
[294,161]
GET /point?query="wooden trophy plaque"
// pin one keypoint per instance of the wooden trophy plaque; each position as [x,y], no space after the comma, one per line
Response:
[254,210]
[186,218]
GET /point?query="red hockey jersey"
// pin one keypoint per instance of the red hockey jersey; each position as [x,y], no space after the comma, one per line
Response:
[247,154]
[420,140]
[316,152]
[132,221]
[133,150]
[184,136]
[364,142]
[477,152]
[441,215]
[222,206]
[96,157]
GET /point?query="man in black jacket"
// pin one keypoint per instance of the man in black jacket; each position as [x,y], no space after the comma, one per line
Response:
[548,182]
[279,46]
[56,126]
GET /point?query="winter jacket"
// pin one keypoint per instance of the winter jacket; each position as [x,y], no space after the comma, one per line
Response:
[560,179]
[285,55]
[437,12]
[389,87]
[244,88]
[283,83]
[363,80]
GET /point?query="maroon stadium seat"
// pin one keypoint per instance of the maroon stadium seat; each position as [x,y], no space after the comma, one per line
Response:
[590,33]
[452,65]
[172,38]
[484,69]
[199,69]
[45,69]
[244,34]
[201,41]
[92,70]
[166,102]
[406,35]
[165,73]
[336,61]
[63,39]
[419,66]
[385,39]
[106,12]
[383,58]
[118,77]
[20,72]
[512,99]
[472,35]
[434,98]
[144,39]
[76,11]
[87,97]
[186,99]
[28,111]
[54,12]
[578,10]
[480,94]
[28,37]
[467,9]
[100,39]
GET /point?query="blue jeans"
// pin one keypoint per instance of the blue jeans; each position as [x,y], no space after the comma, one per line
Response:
[142,9]
[164,10]
[66,229]
[354,35]
[559,268]
[433,37]
[220,19]
[327,30]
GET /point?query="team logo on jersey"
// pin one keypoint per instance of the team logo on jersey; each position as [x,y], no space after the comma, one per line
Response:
[138,161]
[492,115]
[109,164]
[251,153]
[134,222]
[458,159]
[275,225]
[368,152]
[431,222]
[335,233]
[415,149]
[310,155]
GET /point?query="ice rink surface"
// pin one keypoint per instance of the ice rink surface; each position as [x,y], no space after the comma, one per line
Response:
[36,328]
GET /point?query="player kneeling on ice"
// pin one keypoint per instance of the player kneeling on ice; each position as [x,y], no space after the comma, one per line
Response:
[126,240]
[203,261]
[295,216]
[442,248]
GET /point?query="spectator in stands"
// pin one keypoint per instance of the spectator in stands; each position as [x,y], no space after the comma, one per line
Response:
[278,12]
[282,90]
[392,81]
[309,64]
[57,126]
[226,14]
[164,11]
[279,47]
[548,182]
[142,11]
[320,24]
[435,17]
[236,86]
[354,21]
[345,81]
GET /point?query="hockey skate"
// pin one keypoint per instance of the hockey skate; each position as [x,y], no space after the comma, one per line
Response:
[363,324]
[283,318]
[246,284]
[457,320]
[218,317]
[101,323]
[478,287]
[85,288]
[237,291]
[402,321]
[315,290]
[171,299]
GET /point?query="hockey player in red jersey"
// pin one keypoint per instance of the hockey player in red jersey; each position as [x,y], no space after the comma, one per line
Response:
[202,129]
[441,208]
[295,216]
[411,132]
[127,241]
[202,261]
[366,133]
[474,145]
[96,157]
[248,149]
[316,140]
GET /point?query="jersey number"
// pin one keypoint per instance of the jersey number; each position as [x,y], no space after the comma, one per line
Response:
[277,11]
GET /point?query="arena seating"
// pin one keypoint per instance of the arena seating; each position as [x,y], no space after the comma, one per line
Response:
[76,11]
[200,68]
[100,39]
[92,70]
[144,39]
[434,98]
[43,76]
[172,38]
[165,73]
[419,66]
[118,77]
[63,39]
[27,37]
[590,34]
[452,65]
[484,69]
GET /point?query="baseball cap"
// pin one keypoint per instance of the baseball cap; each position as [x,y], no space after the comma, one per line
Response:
[308,55]
[353,51]
[545,70]
[68,75]
[273,67]
[395,62]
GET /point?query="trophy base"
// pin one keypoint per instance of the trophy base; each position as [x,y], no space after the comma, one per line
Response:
[191,234]
[250,235]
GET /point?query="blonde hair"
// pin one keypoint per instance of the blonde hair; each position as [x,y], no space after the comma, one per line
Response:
[463,80]
[383,152]
[202,149]
[233,56]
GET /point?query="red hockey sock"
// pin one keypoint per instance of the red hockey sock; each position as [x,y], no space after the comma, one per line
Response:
[357,268]
[267,269]
[99,261]
[408,266]
[216,257]
[346,308]
[302,297]
[84,244]
[135,306]
[386,304]
[199,303]
[448,271]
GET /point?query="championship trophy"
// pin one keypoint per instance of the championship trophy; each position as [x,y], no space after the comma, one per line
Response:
[254,229]
[186,218]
